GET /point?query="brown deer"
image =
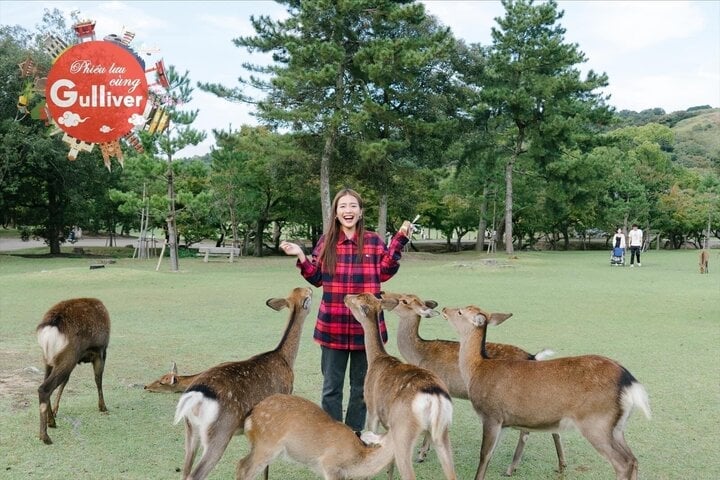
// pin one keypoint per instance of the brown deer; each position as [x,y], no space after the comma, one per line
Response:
[293,426]
[171,382]
[592,393]
[441,357]
[215,404]
[73,331]
[406,399]
[704,260]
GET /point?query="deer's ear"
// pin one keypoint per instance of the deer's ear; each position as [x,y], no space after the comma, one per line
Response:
[276,304]
[173,369]
[498,318]
[388,303]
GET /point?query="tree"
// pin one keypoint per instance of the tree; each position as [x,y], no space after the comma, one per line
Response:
[178,135]
[257,176]
[317,78]
[534,91]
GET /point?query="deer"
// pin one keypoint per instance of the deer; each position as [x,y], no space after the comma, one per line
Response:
[406,399]
[216,402]
[704,260]
[71,332]
[298,428]
[441,357]
[592,393]
[171,382]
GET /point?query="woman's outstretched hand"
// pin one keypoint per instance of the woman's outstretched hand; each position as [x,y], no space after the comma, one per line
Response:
[292,249]
[407,228]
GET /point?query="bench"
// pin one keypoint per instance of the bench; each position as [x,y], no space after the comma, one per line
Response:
[206,252]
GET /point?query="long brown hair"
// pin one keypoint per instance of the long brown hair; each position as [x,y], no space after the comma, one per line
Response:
[328,256]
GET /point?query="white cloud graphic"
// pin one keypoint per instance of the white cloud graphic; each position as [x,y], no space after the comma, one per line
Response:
[70,119]
[105,129]
[137,120]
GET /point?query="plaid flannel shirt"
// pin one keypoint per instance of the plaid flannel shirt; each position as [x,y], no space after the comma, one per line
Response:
[336,327]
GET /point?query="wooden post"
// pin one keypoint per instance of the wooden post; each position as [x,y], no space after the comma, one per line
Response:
[162,253]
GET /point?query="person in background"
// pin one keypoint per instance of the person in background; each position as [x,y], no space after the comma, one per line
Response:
[619,239]
[636,242]
[347,260]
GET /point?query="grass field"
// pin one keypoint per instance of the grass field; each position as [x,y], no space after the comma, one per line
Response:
[661,321]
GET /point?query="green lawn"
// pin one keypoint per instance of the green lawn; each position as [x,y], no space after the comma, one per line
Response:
[661,321]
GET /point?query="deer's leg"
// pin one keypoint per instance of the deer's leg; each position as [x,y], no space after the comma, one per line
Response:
[98,368]
[424,448]
[214,446]
[57,376]
[560,453]
[444,453]
[491,435]
[522,441]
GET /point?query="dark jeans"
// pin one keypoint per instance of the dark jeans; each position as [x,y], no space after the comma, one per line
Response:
[333,364]
[634,252]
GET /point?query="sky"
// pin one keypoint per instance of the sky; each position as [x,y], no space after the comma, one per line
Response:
[662,54]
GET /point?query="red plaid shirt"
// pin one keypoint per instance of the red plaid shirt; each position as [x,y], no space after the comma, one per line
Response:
[336,327]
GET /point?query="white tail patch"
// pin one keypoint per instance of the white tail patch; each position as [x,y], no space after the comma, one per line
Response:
[199,410]
[544,354]
[433,412]
[371,438]
[52,342]
[634,396]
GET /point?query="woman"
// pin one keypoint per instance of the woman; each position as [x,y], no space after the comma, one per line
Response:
[336,267]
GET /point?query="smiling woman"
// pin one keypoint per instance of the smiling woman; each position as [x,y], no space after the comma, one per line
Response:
[347,259]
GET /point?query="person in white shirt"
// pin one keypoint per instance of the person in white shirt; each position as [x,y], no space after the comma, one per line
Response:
[636,241]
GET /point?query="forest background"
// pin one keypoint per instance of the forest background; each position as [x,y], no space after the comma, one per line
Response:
[508,138]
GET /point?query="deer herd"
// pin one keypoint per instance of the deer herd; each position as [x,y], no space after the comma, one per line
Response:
[406,400]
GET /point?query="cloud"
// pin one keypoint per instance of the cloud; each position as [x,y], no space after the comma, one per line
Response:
[105,129]
[634,25]
[70,119]
[137,120]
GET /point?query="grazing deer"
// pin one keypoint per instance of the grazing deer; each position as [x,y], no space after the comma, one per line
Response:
[442,358]
[293,426]
[704,260]
[592,393]
[216,403]
[73,331]
[406,399]
[171,382]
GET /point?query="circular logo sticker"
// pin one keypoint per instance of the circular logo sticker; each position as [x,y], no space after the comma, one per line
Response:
[97,91]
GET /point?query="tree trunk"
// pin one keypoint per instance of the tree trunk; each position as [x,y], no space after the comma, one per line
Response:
[509,191]
[382,215]
[172,230]
[508,236]
[330,139]
[482,224]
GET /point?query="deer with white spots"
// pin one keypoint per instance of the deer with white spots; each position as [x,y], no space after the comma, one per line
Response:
[215,404]
[73,331]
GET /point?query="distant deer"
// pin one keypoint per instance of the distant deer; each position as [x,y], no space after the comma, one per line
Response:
[704,260]
[171,382]
[298,428]
[406,399]
[441,357]
[215,404]
[73,331]
[592,393]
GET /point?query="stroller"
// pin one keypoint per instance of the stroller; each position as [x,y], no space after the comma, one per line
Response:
[617,257]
